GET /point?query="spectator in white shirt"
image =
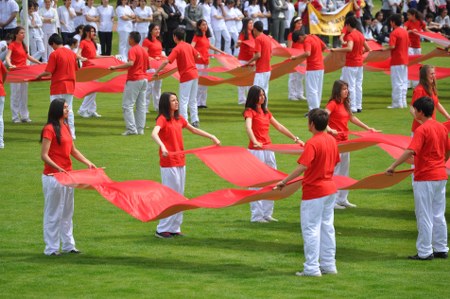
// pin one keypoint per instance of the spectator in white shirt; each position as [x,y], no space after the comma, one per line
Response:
[105,27]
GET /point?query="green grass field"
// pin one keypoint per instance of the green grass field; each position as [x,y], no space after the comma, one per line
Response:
[223,255]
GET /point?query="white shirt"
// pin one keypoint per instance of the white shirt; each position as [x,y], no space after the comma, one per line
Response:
[78,6]
[64,17]
[143,13]
[289,14]
[217,24]
[7,8]
[231,24]
[92,12]
[206,13]
[3,50]
[123,25]
[181,4]
[49,14]
[253,10]
[106,15]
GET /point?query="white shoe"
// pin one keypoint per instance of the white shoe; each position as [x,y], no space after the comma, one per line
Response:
[292,99]
[302,97]
[141,132]
[393,107]
[84,114]
[347,204]
[260,221]
[270,219]
[338,207]
[332,272]
[311,275]
[127,133]
[95,114]
[16,121]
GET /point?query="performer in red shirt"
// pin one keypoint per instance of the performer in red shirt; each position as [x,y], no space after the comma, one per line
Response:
[17,56]
[430,148]
[201,43]
[57,147]
[340,114]
[319,194]
[245,54]
[295,83]
[136,86]
[62,65]
[2,102]
[167,134]
[257,123]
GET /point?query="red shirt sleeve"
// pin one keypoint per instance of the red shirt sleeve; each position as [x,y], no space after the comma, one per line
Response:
[308,155]
[417,142]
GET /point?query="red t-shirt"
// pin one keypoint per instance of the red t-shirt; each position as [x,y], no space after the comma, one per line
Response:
[263,45]
[62,63]
[18,54]
[354,58]
[260,126]
[314,45]
[59,153]
[141,64]
[185,56]
[246,53]
[339,118]
[414,39]
[419,92]
[2,87]
[320,157]
[399,39]
[296,45]
[154,47]
[172,138]
[202,46]
[88,50]
[430,143]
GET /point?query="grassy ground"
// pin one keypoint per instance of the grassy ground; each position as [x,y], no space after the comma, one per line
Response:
[223,255]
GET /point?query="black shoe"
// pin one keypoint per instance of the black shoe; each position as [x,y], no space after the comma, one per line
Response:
[195,124]
[440,255]
[358,110]
[163,235]
[418,258]
[74,251]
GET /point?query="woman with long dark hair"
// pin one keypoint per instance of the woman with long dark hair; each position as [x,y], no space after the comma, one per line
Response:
[57,147]
[340,113]
[245,53]
[257,123]
[167,133]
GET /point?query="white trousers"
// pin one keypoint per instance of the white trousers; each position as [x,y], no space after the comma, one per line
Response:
[354,78]
[414,51]
[242,90]
[2,124]
[37,48]
[317,223]
[218,34]
[69,100]
[48,48]
[342,168]
[188,98]
[19,101]
[153,94]
[134,93]
[262,80]
[295,85]
[143,36]
[314,85]
[123,44]
[262,208]
[212,39]
[89,105]
[202,91]
[429,201]
[235,37]
[399,81]
[58,212]
[174,178]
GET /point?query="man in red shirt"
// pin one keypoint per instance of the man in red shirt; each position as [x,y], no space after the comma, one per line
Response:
[352,72]
[2,101]
[431,149]
[398,45]
[263,52]
[62,65]
[319,195]
[136,86]
[185,56]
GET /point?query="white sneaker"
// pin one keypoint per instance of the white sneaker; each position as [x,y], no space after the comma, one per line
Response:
[338,207]
[84,114]
[95,114]
[270,219]
[16,121]
[302,97]
[348,204]
[292,99]
[127,133]
[141,132]
[394,107]
[310,275]
[331,272]
[260,221]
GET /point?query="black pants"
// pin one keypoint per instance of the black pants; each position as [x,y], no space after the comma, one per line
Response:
[105,42]
[4,32]
[65,37]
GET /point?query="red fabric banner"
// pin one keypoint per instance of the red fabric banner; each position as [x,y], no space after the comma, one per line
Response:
[436,38]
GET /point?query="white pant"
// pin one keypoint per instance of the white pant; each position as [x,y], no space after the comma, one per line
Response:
[317,223]
[295,85]
[342,168]
[399,81]
[48,48]
[414,51]
[218,34]
[2,125]
[89,105]
[153,92]
[235,37]
[314,85]
[71,120]
[134,93]
[19,101]
[212,39]
[174,178]
[429,201]
[188,98]
[354,78]
[262,80]
[37,48]
[123,44]
[243,90]
[202,91]
[143,36]
[262,208]
[58,212]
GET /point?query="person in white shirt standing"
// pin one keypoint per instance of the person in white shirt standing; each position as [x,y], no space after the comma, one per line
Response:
[66,15]
[206,7]
[218,16]
[143,18]
[78,6]
[105,26]
[50,22]
[8,14]
[36,35]
[125,18]
[233,17]
[91,14]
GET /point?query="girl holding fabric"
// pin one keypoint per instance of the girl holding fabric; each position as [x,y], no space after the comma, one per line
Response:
[295,83]
[245,54]
[168,135]
[257,122]
[201,43]
[338,108]
[125,18]
[57,147]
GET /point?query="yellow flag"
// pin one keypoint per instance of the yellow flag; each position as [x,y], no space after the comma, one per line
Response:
[330,23]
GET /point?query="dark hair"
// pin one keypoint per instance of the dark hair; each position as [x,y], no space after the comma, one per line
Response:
[351,21]
[198,32]
[55,39]
[71,41]
[119,3]
[258,25]
[14,36]
[336,95]
[244,30]
[87,29]
[296,35]
[214,3]
[55,113]
[423,80]
[319,118]
[396,19]
[263,5]
[79,28]
[164,106]
[150,29]
[415,13]
[179,33]
[135,36]
[253,99]
[293,22]
[378,13]
[424,105]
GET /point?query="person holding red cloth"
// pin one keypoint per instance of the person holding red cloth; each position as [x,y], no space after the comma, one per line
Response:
[57,147]
[318,197]
[2,102]
[430,148]
[167,133]
[246,53]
